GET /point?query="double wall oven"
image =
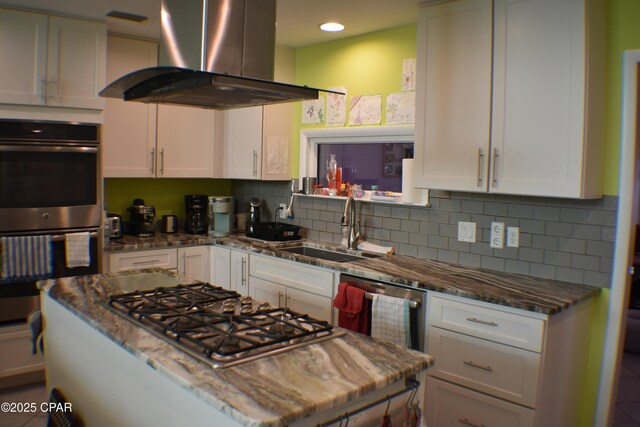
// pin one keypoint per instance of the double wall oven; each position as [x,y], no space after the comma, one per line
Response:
[50,185]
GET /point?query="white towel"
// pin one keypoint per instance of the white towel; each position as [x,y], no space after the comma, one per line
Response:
[372,247]
[77,249]
[390,319]
[25,258]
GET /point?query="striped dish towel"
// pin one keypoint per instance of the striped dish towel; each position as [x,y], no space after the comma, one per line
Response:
[390,319]
[25,258]
[77,249]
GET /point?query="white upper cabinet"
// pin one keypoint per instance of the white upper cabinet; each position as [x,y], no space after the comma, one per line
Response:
[453,95]
[257,140]
[51,60]
[129,132]
[142,140]
[523,117]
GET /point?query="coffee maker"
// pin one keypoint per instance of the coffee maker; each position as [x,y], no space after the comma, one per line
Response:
[142,219]
[220,216]
[196,214]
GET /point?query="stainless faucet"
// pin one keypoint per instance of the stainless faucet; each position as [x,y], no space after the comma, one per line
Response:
[350,219]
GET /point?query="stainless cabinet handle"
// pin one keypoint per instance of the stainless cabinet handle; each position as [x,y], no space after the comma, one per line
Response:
[495,168]
[153,160]
[184,263]
[473,365]
[484,322]
[480,158]
[243,268]
[152,261]
[287,299]
[255,163]
[162,161]
[280,299]
[466,421]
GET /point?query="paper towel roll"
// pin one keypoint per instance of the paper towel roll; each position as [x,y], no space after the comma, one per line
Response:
[410,194]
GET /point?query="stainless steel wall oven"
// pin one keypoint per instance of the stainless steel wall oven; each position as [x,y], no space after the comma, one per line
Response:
[50,185]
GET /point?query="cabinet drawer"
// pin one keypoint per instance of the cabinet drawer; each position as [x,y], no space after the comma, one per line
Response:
[166,258]
[292,274]
[500,370]
[448,405]
[488,323]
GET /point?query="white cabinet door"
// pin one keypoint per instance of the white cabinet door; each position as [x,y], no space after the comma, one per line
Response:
[240,272]
[129,131]
[448,405]
[220,266]
[316,306]
[276,142]
[193,262]
[265,291]
[538,129]
[453,95]
[23,56]
[76,63]
[242,143]
[185,142]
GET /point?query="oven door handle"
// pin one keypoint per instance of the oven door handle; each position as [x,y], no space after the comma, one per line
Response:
[49,148]
[61,237]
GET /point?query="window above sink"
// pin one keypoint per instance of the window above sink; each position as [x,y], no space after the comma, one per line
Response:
[397,140]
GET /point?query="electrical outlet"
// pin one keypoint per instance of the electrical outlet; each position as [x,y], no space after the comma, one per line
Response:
[497,235]
[513,237]
[466,231]
[283,211]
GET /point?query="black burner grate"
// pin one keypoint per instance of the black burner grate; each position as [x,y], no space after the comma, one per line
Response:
[216,324]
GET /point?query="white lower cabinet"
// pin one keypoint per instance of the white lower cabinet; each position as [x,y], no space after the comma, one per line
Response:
[193,262]
[220,266]
[449,405]
[499,366]
[301,288]
[190,261]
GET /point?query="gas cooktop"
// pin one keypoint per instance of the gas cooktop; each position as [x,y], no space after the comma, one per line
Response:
[219,326]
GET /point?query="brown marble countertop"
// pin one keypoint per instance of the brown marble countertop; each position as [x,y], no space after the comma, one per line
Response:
[512,290]
[272,391]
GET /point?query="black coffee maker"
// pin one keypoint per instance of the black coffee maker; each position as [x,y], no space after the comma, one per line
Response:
[196,213]
[142,219]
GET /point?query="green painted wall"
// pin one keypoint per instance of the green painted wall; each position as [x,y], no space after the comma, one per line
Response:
[166,194]
[366,65]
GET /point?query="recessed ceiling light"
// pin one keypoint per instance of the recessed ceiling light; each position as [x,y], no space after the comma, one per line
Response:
[331,27]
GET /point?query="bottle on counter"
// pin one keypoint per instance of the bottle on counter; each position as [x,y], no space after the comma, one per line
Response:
[332,169]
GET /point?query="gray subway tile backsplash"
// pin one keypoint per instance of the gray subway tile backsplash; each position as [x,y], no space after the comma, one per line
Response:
[562,239]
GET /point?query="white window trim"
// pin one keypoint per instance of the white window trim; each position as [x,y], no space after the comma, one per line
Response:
[310,138]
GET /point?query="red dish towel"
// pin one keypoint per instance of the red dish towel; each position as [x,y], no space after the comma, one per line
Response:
[353,310]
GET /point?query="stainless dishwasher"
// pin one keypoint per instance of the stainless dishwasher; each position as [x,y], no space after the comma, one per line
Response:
[417,302]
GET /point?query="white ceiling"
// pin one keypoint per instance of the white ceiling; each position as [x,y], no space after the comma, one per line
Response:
[298,20]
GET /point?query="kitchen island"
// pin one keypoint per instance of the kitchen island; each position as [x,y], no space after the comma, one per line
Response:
[116,373]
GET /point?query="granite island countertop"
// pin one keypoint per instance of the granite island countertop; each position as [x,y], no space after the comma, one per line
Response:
[271,391]
[529,293]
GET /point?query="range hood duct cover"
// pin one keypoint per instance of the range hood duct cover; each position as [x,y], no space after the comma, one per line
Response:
[215,54]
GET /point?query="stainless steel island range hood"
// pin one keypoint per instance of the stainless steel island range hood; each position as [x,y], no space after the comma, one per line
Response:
[220,55]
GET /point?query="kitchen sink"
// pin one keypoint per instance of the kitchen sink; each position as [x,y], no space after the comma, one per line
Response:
[327,255]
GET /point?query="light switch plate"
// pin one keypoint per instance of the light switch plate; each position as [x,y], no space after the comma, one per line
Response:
[497,235]
[466,231]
